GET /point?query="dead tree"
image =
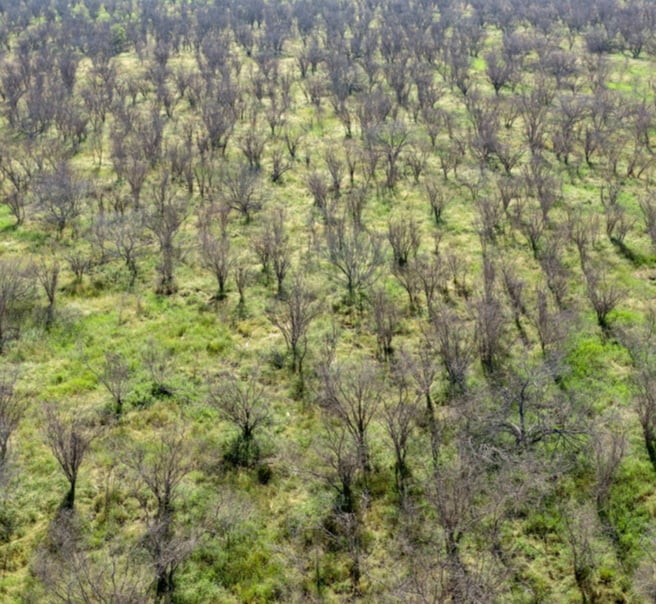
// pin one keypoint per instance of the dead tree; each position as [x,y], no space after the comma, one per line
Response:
[352,394]
[116,376]
[293,316]
[47,273]
[69,441]
[16,292]
[12,410]
[244,404]
[355,255]
[165,219]
[161,468]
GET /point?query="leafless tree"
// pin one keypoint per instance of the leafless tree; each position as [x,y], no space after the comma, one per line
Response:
[400,417]
[59,195]
[115,375]
[385,321]
[404,237]
[532,411]
[161,468]
[436,199]
[353,395]
[71,571]
[390,138]
[355,255]
[215,251]
[128,239]
[581,528]
[165,219]
[609,446]
[159,362]
[603,295]
[279,247]
[644,382]
[69,441]
[16,292]
[453,340]
[47,273]
[252,146]
[499,72]
[240,189]
[244,404]
[12,410]
[293,316]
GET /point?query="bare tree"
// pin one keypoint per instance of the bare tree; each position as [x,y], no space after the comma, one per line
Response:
[355,255]
[215,252]
[279,247]
[16,291]
[404,237]
[244,404]
[74,573]
[454,342]
[609,448]
[69,441]
[436,199]
[293,316]
[342,465]
[12,410]
[603,295]
[241,191]
[161,468]
[59,195]
[353,394]
[47,273]
[159,363]
[165,219]
[115,375]
[400,417]
[644,383]
[531,411]
[390,138]
[581,527]
[385,321]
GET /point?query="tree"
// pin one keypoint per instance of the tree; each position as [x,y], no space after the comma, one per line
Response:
[12,410]
[454,342]
[16,291]
[161,468]
[644,385]
[603,295]
[390,138]
[165,219]
[352,394]
[293,316]
[385,321]
[242,403]
[342,465]
[279,252]
[116,376]
[59,195]
[530,411]
[400,416]
[404,237]
[215,252]
[241,191]
[356,256]
[499,72]
[73,573]
[47,273]
[127,236]
[69,441]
